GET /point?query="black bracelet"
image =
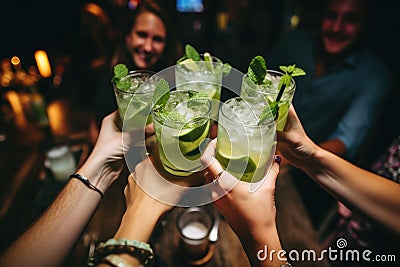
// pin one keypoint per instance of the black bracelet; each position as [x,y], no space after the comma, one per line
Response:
[86,181]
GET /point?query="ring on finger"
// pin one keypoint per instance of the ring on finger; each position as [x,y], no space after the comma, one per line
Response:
[215,179]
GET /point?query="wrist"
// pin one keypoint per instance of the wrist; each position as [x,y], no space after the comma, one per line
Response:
[264,245]
[260,235]
[315,161]
[92,169]
[137,225]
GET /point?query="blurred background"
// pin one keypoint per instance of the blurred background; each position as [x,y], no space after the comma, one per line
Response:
[50,50]
[60,26]
[75,35]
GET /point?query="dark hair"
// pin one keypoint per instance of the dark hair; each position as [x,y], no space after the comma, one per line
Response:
[173,47]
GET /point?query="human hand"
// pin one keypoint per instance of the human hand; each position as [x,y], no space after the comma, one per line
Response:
[143,211]
[150,193]
[246,210]
[294,144]
[105,162]
[160,184]
[139,190]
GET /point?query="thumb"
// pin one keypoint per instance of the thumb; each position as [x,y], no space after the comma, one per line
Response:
[208,155]
[211,164]
[273,173]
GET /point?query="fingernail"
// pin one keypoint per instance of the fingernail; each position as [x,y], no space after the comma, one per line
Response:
[277,159]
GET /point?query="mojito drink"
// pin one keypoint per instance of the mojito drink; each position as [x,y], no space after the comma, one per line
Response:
[245,147]
[180,126]
[134,102]
[202,76]
[268,92]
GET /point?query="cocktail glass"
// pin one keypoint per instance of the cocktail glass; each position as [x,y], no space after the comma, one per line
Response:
[201,76]
[245,147]
[268,92]
[134,105]
[181,126]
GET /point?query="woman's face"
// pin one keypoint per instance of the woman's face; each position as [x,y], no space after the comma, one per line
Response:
[146,41]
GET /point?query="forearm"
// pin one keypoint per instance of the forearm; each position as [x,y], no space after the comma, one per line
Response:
[137,224]
[371,194]
[100,176]
[50,239]
[335,146]
[263,247]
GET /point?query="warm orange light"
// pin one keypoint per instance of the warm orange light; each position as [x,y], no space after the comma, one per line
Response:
[294,21]
[43,63]
[97,11]
[15,60]
[57,117]
[16,105]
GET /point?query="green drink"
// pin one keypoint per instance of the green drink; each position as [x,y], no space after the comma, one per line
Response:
[203,76]
[181,124]
[268,92]
[244,148]
[134,101]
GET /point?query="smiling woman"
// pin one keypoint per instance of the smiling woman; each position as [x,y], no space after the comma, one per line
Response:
[149,42]
[146,41]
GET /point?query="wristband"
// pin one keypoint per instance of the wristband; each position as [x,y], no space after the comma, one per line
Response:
[140,250]
[86,181]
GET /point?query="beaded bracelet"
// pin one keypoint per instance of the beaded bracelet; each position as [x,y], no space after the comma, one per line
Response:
[116,261]
[140,250]
[86,181]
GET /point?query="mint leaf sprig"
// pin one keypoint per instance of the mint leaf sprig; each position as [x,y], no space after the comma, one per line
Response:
[161,94]
[160,98]
[273,107]
[191,52]
[269,112]
[289,72]
[257,70]
[120,72]
[226,69]
[194,56]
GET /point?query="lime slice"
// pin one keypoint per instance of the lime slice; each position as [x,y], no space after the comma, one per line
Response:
[269,98]
[136,106]
[193,155]
[190,64]
[282,115]
[242,167]
[208,61]
[190,139]
[192,134]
